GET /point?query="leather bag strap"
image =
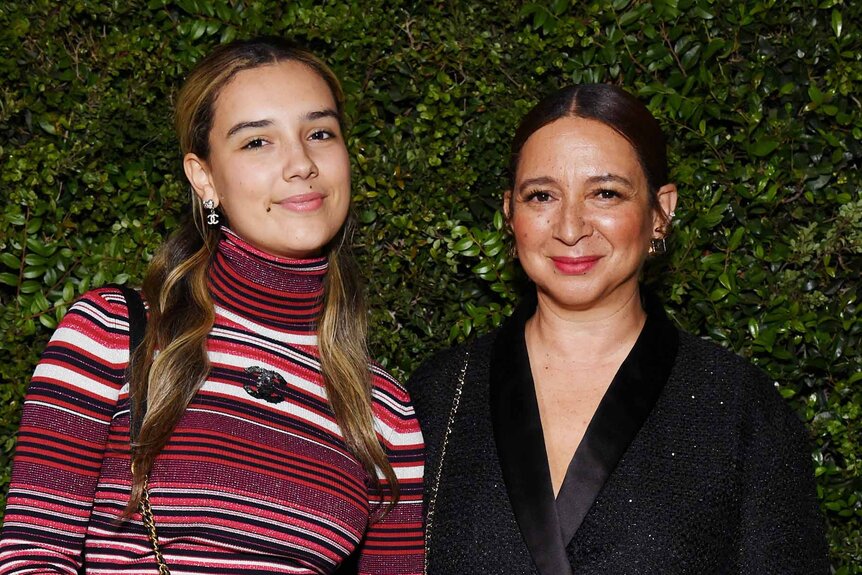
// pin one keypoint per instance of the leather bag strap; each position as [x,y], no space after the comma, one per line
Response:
[137,328]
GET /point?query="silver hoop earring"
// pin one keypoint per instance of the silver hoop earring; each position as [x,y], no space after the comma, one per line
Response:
[212,216]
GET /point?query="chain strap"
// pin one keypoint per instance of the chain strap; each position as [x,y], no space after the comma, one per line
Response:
[137,329]
[432,499]
[150,525]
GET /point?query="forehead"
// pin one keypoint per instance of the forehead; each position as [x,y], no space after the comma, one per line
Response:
[287,87]
[578,144]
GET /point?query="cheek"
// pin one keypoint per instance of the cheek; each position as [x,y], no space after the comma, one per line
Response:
[520,234]
[234,191]
[632,226]
[230,182]
[337,166]
[525,229]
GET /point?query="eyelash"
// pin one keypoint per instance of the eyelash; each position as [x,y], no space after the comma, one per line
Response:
[315,135]
[541,196]
[254,144]
[535,196]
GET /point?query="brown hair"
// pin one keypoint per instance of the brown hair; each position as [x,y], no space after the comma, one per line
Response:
[181,310]
[611,106]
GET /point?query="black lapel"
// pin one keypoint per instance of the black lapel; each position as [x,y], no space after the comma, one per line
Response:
[521,444]
[619,416]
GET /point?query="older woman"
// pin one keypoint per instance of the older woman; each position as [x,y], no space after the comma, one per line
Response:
[589,435]
[263,439]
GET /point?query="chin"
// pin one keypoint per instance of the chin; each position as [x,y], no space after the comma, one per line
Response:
[301,247]
[300,254]
[303,251]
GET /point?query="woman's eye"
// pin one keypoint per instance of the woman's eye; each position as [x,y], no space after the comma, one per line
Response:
[608,194]
[254,144]
[321,135]
[538,196]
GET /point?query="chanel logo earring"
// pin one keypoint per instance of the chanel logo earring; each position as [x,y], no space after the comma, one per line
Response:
[212,216]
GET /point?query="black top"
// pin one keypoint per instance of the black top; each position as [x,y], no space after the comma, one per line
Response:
[692,463]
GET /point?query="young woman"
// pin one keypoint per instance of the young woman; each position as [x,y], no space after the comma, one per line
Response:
[269,443]
[589,435]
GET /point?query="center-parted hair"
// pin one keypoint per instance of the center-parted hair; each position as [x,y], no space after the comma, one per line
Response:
[181,310]
[611,106]
[196,100]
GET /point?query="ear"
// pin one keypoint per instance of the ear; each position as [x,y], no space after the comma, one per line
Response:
[667,197]
[507,205]
[199,176]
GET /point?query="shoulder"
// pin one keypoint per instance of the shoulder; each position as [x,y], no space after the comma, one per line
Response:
[704,362]
[433,384]
[90,347]
[446,363]
[386,390]
[718,372]
[99,317]
[393,410]
[103,307]
[713,361]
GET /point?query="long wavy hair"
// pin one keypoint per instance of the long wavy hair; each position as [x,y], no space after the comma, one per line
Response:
[181,310]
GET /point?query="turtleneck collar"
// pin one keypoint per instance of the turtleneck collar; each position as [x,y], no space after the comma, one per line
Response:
[281,293]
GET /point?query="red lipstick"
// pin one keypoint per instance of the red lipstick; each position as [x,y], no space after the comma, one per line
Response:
[575,266]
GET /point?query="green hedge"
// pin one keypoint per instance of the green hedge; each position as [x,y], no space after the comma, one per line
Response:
[760,99]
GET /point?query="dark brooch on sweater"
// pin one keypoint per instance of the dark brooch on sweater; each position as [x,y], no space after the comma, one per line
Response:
[268,385]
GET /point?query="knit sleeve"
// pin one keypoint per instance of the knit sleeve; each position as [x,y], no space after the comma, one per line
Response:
[782,530]
[68,408]
[394,541]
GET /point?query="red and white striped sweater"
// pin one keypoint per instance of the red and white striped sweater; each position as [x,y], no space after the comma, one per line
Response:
[245,485]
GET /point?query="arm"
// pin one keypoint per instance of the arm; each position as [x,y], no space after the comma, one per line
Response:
[394,540]
[68,409]
[782,530]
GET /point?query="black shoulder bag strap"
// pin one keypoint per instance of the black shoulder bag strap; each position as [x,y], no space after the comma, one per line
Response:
[137,327]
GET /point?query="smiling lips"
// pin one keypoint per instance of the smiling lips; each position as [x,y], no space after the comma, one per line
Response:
[575,266]
[303,202]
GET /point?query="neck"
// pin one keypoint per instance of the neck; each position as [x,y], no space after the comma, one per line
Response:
[585,339]
[276,292]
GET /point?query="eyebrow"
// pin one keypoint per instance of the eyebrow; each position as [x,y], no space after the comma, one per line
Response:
[309,117]
[546,180]
[610,178]
[540,181]
[325,113]
[245,125]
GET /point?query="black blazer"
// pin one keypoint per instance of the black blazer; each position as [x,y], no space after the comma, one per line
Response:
[692,463]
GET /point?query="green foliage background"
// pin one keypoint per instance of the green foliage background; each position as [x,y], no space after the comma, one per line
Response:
[760,99]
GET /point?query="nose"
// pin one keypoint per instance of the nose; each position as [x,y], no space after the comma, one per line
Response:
[573,223]
[298,163]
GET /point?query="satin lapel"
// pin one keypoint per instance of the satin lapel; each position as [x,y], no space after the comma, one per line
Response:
[620,415]
[521,445]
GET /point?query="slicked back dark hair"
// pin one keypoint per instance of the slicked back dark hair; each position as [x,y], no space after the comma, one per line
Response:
[611,106]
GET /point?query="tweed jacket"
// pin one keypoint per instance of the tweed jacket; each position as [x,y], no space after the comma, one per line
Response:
[692,464]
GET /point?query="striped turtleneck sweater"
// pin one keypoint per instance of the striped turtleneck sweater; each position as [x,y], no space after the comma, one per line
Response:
[254,480]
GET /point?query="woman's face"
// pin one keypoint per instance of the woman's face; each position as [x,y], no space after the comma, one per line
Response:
[278,164]
[581,215]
